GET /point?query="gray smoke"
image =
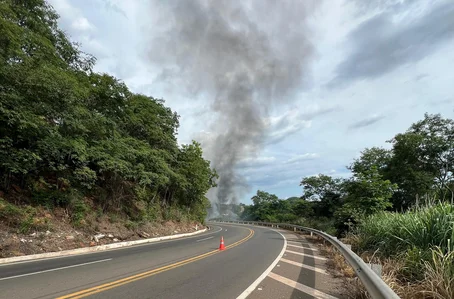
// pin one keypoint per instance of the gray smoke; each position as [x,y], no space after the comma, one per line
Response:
[246,57]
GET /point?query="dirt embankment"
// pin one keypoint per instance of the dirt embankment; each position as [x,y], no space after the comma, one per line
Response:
[51,232]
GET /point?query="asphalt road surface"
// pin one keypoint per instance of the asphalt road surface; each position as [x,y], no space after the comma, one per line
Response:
[191,267]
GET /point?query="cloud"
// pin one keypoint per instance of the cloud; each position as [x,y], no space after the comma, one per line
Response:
[366,121]
[255,162]
[285,125]
[303,157]
[387,41]
[81,24]
[113,7]
[420,77]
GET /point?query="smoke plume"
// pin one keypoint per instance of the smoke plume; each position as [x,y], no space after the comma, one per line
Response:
[246,57]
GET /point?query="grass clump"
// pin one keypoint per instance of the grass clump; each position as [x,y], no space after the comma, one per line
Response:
[420,240]
[419,229]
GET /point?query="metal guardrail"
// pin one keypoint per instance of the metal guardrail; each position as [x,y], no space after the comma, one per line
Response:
[376,287]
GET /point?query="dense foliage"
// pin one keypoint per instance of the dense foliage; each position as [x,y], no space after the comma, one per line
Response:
[68,134]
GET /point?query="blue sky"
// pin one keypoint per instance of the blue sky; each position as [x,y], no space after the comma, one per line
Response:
[369,70]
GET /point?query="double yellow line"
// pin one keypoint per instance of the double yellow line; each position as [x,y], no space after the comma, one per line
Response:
[120,282]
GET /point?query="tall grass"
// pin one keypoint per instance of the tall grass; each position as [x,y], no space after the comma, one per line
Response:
[420,229]
[421,240]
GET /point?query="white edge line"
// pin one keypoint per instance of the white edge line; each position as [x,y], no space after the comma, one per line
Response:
[301,287]
[9,261]
[205,239]
[252,287]
[54,269]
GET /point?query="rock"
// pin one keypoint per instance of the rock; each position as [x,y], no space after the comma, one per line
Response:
[69,237]
[110,236]
[30,241]
[33,235]
[23,240]
[144,235]
[59,248]
[175,231]
[115,240]
[98,237]
[48,232]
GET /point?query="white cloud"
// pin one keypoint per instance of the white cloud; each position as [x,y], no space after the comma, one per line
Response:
[303,157]
[81,24]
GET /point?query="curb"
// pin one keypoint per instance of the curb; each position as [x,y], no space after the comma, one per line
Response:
[94,248]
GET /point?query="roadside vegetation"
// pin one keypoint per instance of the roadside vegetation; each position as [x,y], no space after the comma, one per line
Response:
[396,209]
[81,142]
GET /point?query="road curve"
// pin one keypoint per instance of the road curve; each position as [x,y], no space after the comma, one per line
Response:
[191,267]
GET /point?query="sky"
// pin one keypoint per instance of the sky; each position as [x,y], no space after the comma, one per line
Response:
[346,74]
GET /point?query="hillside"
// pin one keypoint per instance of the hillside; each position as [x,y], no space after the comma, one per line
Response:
[79,152]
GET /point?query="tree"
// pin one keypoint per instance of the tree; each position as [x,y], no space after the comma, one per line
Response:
[264,197]
[372,157]
[423,160]
[67,130]
[326,191]
[366,193]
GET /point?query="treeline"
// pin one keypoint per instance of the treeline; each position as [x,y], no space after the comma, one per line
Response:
[417,169]
[70,137]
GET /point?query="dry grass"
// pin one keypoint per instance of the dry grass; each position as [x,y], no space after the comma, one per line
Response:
[354,288]
[439,275]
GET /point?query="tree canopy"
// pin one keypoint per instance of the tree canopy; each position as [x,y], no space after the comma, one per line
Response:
[68,133]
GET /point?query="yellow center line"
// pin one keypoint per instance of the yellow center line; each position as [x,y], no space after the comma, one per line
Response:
[117,283]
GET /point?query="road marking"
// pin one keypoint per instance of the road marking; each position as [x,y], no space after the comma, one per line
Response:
[297,246]
[55,269]
[205,239]
[301,287]
[111,249]
[120,282]
[304,266]
[300,243]
[252,287]
[308,255]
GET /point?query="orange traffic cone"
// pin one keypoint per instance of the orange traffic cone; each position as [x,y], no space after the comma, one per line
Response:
[222,246]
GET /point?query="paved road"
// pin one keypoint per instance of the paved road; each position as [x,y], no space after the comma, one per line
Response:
[301,273]
[184,268]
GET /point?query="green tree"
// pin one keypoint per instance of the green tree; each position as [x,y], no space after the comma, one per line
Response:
[423,161]
[263,197]
[67,132]
[325,191]
[372,157]
[366,193]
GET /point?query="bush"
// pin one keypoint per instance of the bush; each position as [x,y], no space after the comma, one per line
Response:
[10,213]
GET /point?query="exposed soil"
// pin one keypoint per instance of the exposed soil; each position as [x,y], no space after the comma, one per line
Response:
[58,233]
